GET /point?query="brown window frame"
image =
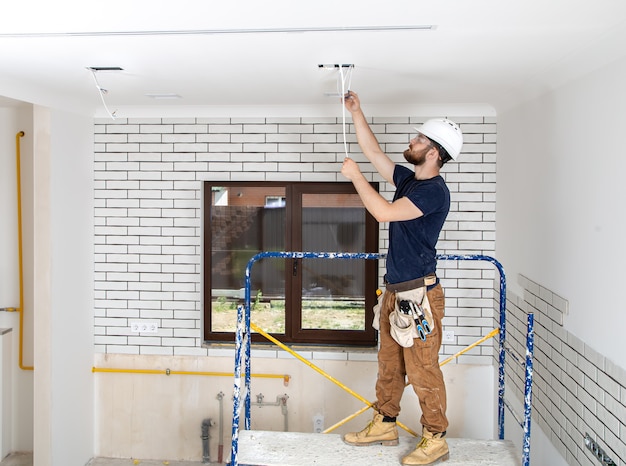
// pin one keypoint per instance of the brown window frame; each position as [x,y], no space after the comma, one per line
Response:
[294,334]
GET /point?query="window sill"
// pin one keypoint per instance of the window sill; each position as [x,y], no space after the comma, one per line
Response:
[308,352]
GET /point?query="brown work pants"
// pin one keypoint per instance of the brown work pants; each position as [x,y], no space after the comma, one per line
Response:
[420,363]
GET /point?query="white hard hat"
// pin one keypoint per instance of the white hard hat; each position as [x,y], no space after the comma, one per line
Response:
[445,133]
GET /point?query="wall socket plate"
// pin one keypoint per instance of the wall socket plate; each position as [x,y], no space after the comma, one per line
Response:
[318,423]
[448,336]
[144,326]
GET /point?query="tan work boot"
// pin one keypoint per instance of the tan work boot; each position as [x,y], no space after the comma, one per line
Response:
[376,431]
[431,449]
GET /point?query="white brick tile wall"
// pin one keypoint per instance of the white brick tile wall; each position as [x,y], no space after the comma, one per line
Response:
[148,176]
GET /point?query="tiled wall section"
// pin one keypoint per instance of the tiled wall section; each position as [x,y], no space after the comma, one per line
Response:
[148,176]
[575,390]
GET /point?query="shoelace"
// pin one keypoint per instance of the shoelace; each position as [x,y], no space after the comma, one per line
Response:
[423,443]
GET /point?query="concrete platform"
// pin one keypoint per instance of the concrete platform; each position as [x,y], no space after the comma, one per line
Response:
[263,448]
[26,459]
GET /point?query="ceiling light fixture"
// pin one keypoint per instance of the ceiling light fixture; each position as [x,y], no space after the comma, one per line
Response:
[410,27]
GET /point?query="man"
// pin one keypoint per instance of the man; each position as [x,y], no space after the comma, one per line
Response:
[413,293]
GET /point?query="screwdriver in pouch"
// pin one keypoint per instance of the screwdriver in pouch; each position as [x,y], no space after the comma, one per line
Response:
[408,308]
[422,316]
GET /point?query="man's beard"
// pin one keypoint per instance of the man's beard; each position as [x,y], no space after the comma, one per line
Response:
[418,158]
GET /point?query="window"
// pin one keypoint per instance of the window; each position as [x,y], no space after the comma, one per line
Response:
[309,301]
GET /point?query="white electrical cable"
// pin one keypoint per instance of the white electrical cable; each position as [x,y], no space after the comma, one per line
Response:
[343,98]
[101,91]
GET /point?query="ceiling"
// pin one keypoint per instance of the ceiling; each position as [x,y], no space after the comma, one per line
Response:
[266,53]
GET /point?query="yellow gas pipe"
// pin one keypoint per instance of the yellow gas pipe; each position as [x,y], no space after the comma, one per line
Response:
[19,249]
[286,378]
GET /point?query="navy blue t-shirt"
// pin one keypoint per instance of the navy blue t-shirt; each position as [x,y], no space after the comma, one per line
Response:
[412,243]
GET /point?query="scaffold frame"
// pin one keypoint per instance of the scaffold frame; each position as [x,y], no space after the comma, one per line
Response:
[243,345]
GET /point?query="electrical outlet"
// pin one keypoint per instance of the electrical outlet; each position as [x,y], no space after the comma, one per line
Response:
[318,423]
[598,452]
[448,336]
[144,326]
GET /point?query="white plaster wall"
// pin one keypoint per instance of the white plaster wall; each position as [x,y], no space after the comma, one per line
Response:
[560,215]
[12,120]
[57,210]
[71,307]
[42,404]
[156,416]
[63,394]
[9,284]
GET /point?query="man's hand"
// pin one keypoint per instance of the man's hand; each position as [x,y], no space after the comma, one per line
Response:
[367,141]
[351,101]
[350,169]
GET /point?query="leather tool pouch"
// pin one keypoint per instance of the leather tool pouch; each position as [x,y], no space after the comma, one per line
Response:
[412,317]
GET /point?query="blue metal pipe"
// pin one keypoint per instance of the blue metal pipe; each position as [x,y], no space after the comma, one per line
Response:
[502,335]
[239,337]
[528,387]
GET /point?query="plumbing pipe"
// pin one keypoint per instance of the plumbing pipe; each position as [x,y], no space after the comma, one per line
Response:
[206,437]
[286,378]
[20,309]
[283,409]
[280,401]
[220,446]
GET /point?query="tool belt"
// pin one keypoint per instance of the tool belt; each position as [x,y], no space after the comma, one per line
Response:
[427,280]
[412,317]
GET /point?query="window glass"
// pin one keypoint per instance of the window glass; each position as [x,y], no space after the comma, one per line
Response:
[244,222]
[332,290]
